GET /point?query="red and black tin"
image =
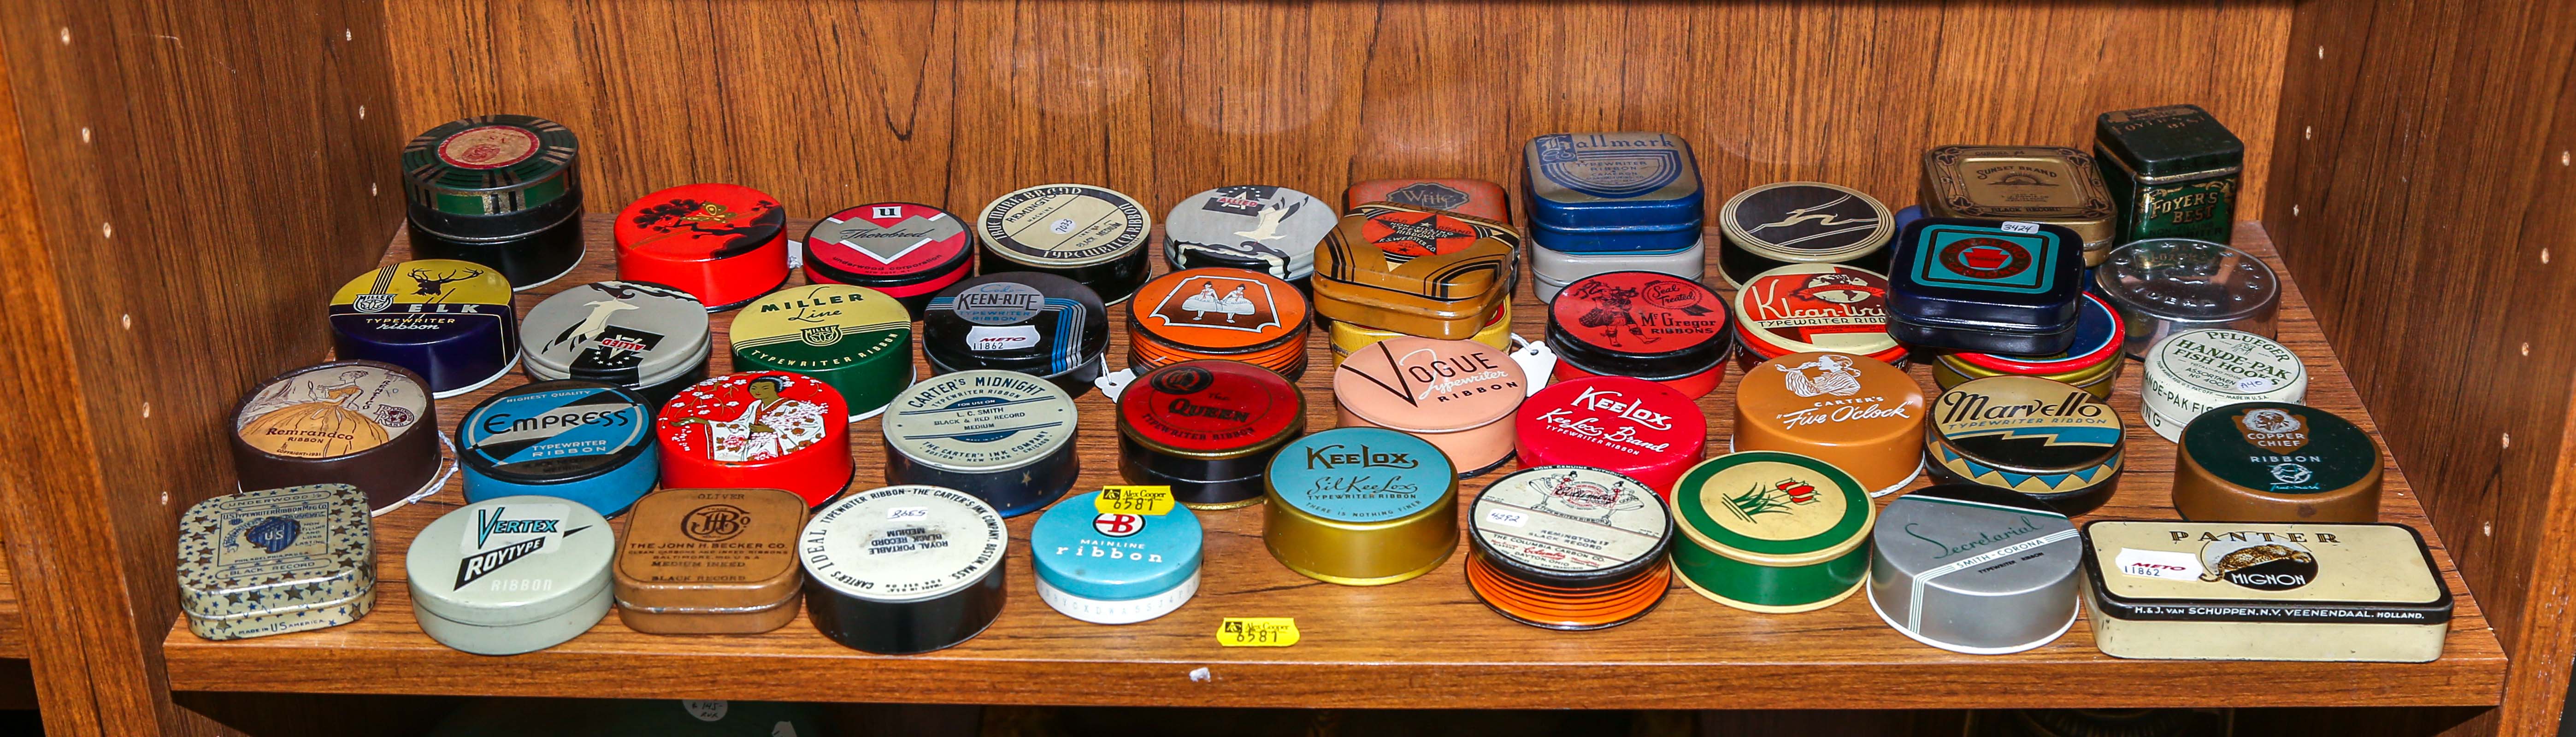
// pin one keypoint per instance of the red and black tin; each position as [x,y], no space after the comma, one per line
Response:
[503,191]
[907,251]
[726,244]
[1641,324]
[1208,429]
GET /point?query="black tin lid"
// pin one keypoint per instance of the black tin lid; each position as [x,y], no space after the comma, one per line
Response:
[1641,324]
[1031,322]
[2168,140]
[1994,275]
[491,165]
[552,432]
[1806,222]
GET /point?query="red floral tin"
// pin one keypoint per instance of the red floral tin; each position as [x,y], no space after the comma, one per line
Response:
[1646,430]
[761,429]
[725,244]
[1641,324]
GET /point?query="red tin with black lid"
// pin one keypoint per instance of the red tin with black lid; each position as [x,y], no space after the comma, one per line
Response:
[1641,324]
[725,244]
[905,250]
[758,429]
[1207,428]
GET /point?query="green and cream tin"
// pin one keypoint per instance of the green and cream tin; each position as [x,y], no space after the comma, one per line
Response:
[1772,532]
[273,561]
[2359,592]
[856,339]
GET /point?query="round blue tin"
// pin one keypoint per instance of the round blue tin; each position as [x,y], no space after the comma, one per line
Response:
[1115,568]
[1361,506]
[451,322]
[580,440]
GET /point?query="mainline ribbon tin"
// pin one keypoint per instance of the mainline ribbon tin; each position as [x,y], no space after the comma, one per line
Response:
[1569,548]
[1113,568]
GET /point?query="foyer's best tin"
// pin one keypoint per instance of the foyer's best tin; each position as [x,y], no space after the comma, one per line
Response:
[854,338]
[1038,324]
[272,561]
[362,423]
[724,243]
[451,322]
[1094,236]
[2043,439]
[511,575]
[580,440]
[503,191]
[1207,429]
[1772,532]
[710,561]
[646,337]
[1003,436]
[1975,569]
[899,570]
[1257,227]
[906,251]
[759,429]
[2174,171]
[1361,506]
[1114,568]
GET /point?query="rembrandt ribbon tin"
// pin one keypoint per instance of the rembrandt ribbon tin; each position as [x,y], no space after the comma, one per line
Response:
[2036,184]
[1003,436]
[2091,364]
[1110,568]
[1207,429]
[1361,506]
[365,424]
[710,562]
[646,337]
[2049,441]
[1422,272]
[1255,227]
[1469,197]
[854,338]
[510,575]
[579,440]
[906,251]
[1569,548]
[1772,532]
[2172,169]
[1643,430]
[1225,313]
[900,570]
[2276,462]
[1803,308]
[2193,372]
[1094,236]
[1645,325]
[2172,285]
[451,322]
[759,429]
[1862,416]
[503,191]
[1038,324]
[1455,394]
[724,243]
[1784,223]
[2264,591]
[1975,569]
[1612,192]
[273,561]
[1986,286]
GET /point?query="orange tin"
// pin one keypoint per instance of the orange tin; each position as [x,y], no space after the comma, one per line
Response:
[1414,271]
[1456,394]
[1858,414]
[1219,313]
[1471,197]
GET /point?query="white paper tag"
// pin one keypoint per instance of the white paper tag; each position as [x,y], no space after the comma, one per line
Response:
[2159,564]
[1001,337]
[2254,384]
[903,513]
[795,254]
[1538,363]
[1507,517]
[2016,226]
[1115,383]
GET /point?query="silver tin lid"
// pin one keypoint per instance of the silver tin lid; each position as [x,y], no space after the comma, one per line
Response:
[1975,569]
[2164,285]
[275,551]
[1246,224]
[616,332]
[980,421]
[1561,268]
[903,543]
[510,561]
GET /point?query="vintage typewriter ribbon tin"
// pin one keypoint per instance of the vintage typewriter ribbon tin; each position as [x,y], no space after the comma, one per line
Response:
[1456,394]
[503,191]
[580,440]
[1361,506]
[906,251]
[1975,569]
[1207,429]
[1111,568]
[1038,324]
[899,570]
[1094,236]
[1772,532]
[273,561]
[710,561]
[646,337]
[854,338]
[725,243]
[760,429]
[362,423]
[511,575]
[1569,548]
[1641,429]
[1003,436]
[451,322]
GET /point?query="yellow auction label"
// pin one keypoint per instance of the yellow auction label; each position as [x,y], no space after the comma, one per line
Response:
[1257,632]
[1148,500]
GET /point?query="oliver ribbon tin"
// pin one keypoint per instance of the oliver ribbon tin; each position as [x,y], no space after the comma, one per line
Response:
[2038,184]
[2172,285]
[1862,416]
[1361,506]
[1611,192]
[451,322]
[1772,532]
[646,337]
[1094,236]
[1803,308]
[1349,338]
[1043,325]
[362,423]
[2173,171]
[1257,227]
[2264,591]
[1207,429]
[1455,394]
[899,570]
[725,243]
[1975,569]
[511,575]
[2092,364]
[710,562]
[1419,272]
[273,561]
[1783,223]
[580,440]
[1003,436]
[1228,313]
[1551,270]
[1113,568]
[854,338]
[1645,325]
[1469,197]
[503,191]
[1569,548]
[2276,462]
[1980,285]
[2040,438]
[907,251]
[761,429]
[1641,429]
[2193,372]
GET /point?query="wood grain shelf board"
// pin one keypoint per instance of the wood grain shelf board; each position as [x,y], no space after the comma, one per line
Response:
[1426,642]
[13,630]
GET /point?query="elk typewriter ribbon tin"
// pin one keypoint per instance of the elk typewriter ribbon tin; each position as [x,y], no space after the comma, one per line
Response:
[1975,569]
[854,338]
[1256,227]
[906,251]
[761,429]
[362,423]
[710,561]
[1111,568]
[646,337]
[273,561]
[1207,429]
[1038,324]
[579,440]
[451,322]
[503,191]
[1645,325]
[900,570]
[511,575]
[725,243]
[1003,436]
[1094,236]
[1569,548]
[1458,395]
[1361,506]
[1772,532]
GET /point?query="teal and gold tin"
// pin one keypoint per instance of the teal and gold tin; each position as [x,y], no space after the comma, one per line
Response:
[1772,532]
[856,339]
[2173,172]
[1361,506]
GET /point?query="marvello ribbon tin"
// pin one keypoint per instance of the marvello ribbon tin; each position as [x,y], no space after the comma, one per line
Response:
[1646,325]
[2043,439]
[906,251]
[1361,506]
[1094,236]
[762,429]
[899,570]
[1569,548]
[1643,430]
[511,575]
[272,561]
[646,337]
[451,322]
[1003,436]
[2092,365]
[710,562]
[1256,227]
[1207,429]
[579,440]
[1038,324]
[2192,372]
[1772,532]
[1862,416]
[503,191]
[2276,462]
[362,423]
[1785,223]
[1246,316]
[1815,307]
[724,243]
[1113,568]
[854,338]
[1456,394]
[1975,569]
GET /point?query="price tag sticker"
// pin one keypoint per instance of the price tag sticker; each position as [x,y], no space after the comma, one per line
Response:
[2016,226]
[1147,500]
[1257,632]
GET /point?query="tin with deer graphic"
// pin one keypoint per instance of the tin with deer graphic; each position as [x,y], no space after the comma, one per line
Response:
[451,322]
[1772,532]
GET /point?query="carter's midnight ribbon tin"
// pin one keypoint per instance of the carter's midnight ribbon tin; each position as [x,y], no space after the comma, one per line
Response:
[451,322]
[580,440]
[362,423]
[1113,568]
[503,191]
[1043,325]
[1361,506]
[907,251]
[273,561]
[1094,236]
[725,243]
[2044,439]
[2276,462]
[1207,429]
[1003,436]
[760,429]
[854,338]
[1975,569]
[1612,192]
[1248,226]
[511,575]
[1985,286]
[1783,223]
[904,569]
[646,337]
[1569,548]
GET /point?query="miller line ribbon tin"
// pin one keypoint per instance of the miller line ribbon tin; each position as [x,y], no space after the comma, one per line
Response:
[503,191]
[1645,325]
[1803,308]
[2276,462]
[899,570]
[2038,184]
[758,429]
[1094,236]
[1207,429]
[1569,548]
[1256,227]
[1038,324]
[2192,372]
[724,243]
[1458,395]
[2046,440]
[362,423]
[1114,568]
[2173,285]
[1228,313]
[1469,197]
[1862,416]
[1784,223]
[646,337]
[1643,430]
[511,575]
[2172,169]
[1975,569]
[1612,192]
[1431,273]
[1361,506]
[1985,286]
[451,322]
[2093,364]
[1772,532]
[272,561]
[907,251]
[2166,590]
[1003,436]
[579,440]
[710,561]
[854,338]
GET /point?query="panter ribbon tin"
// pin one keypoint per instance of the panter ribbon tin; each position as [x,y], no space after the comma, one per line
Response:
[2173,171]
[1207,429]
[1469,197]
[1627,191]
[2043,439]
[362,423]
[907,251]
[710,562]
[503,191]
[760,429]
[1783,223]
[1860,415]
[1569,548]
[1551,270]
[1094,236]
[1457,395]
[2276,462]
[724,243]
[1815,307]
[1003,436]
[2192,372]
[2167,286]
[2264,591]
[1114,568]
[1641,429]
[2092,364]
[1226,313]
[899,570]
[854,338]
[1975,569]
[2037,184]
[1645,325]
[1772,532]
[580,440]
[1256,227]
[511,575]
[1038,324]
[1985,286]
[451,322]
[1419,272]
[1361,506]
[1348,338]
[272,561]
[646,337]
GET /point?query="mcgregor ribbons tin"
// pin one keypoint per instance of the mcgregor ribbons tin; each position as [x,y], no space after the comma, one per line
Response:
[1255,227]
[1569,548]
[1003,436]
[1094,236]
[2044,439]
[1862,416]
[2276,462]
[579,440]
[272,561]
[1112,568]
[1645,325]
[1227,313]
[759,429]
[451,322]
[1975,569]
[899,570]
[1643,430]
[1803,308]
[854,338]
[1784,223]
[710,561]
[503,191]
[1772,532]
[1207,429]
[511,575]
[906,251]
[1361,506]
[361,423]
[1038,324]
[1455,394]
[724,243]
[646,337]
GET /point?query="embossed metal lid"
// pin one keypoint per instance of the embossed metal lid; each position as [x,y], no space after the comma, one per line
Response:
[1405,475]
[2188,280]
[268,550]
[1639,323]
[625,333]
[491,165]
[1470,197]
[2168,140]
[509,561]
[555,431]
[1248,226]
[1571,525]
[887,243]
[1426,385]
[1771,508]
[2028,434]
[1064,225]
[700,222]
[980,421]
[710,550]
[2041,184]
[899,544]
[2272,458]
[1806,222]
[332,410]
[815,329]
[1219,311]
[1815,307]
[1024,321]
[1604,180]
[1994,276]
[1088,553]
[1211,408]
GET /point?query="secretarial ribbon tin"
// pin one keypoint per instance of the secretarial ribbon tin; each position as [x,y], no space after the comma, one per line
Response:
[580,440]
[760,429]
[1114,568]
[1772,532]
[725,243]
[854,338]
[451,322]
[907,251]
[899,570]
[1361,506]
[272,561]
[1569,548]
[1975,569]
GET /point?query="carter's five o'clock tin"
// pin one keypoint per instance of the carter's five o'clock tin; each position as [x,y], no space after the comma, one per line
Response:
[511,575]
[449,321]
[1975,569]
[1115,568]
[273,561]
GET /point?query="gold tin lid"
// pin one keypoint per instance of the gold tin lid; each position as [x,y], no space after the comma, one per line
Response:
[1774,509]
[1422,272]
[2054,185]
[710,551]
[1361,506]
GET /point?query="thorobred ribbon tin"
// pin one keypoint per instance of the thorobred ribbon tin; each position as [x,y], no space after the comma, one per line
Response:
[1656,327]
[1639,428]
[1815,307]
[762,429]
[724,243]
[907,251]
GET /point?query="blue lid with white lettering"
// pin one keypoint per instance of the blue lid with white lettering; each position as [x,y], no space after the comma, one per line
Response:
[580,440]
[1360,474]
[1114,557]
[1613,182]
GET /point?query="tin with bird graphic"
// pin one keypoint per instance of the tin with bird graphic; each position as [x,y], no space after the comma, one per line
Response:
[272,561]
[1258,227]
[854,338]
[650,338]
[724,243]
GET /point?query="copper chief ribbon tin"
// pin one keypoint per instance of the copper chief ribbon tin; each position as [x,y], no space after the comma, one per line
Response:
[1208,429]
[1361,506]
[1569,548]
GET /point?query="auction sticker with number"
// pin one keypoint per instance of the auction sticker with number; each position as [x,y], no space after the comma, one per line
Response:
[1257,632]
[1146,500]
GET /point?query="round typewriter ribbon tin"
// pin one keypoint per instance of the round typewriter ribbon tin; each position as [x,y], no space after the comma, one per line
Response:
[1975,569]
[906,251]
[1643,430]
[1772,532]
[1094,236]
[710,561]
[503,191]
[646,337]
[1645,325]
[1038,324]
[1815,307]
[1361,506]
[1569,548]
[511,575]
[1783,223]
[2165,286]
[2194,371]
[761,429]
[451,322]
[580,440]
[725,243]
[1255,227]
[904,569]
[272,561]
[2039,438]
[1456,394]
[1207,429]
[1246,316]
[362,423]
[1860,415]
[856,339]
[1003,436]
[2276,462]
[1110,568]
[2092,365]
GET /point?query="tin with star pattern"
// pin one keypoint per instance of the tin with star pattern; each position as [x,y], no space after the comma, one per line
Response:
[273,561]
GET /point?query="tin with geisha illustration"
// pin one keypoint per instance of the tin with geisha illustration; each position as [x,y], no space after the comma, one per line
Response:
[760,429]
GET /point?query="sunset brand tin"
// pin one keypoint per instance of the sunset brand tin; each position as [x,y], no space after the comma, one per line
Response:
[579,440]
[1803,308]
[1569,548]
[511,575]
[2036,184]
[1361,506]
[2172,285]
[1348,338]
[2092,364]
[1108,568]
[2276,462]
[1862,416]
[904,569]
[1612,192]
[854,338]
[1455,394]
[503,191]
[2264,591]
[361,423]
[1975,569]
[1207,429]
[1094,236]
[1256,227]
[710,562]
[1656,327]
[273,561]
[451,322]
[1641,429]
[906,251]
[2040,438]
[2192,372]
[760,429]
[1985,286]
[1218,312]
[1470,197]
[1771,532]
[1784,223]
[646,337]
[2173,171]
[1003,436]
[1414,271]
[1042,325]
[1551,271]
[725,243]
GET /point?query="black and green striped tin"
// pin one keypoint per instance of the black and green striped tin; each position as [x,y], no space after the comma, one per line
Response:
[503,191]
[1772,532]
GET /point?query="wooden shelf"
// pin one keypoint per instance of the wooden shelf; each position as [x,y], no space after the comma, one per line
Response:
[13,632]
[1423,642]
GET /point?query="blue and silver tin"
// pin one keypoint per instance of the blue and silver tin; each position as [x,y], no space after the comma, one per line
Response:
[273,561]
[1985,286]
[580,440]
[1613,192]
[1003,436]
[1112,568]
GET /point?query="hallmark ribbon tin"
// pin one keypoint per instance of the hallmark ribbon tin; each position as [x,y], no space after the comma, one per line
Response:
[1551,270]
[511,575]
[1349,338]
[1207,429]
[579,440]
[1975,569]
[362,423]
[1361,506]
[1645,325]
[1980,285]
[1785,223]
[1110,568]
[2039,438]
[2092,364]
[758,429]
[1038,324]
[2171,285]
[1569,548]
[1228,313]
[2276,462]
[1094,236]
[2173,170]
[451,322]
[2037,184]
[710,562]
[272,561]
[2193,372]
[1469,197]
[1862,416]
[646,337]
[724,243]
[1643,430]
[1454,394]
[503,191]
[1255,227]
[1612,192]
[854,338]
[2264,591]
[1419,272]
[900,570]
[1802,308]
[903,250]
[1772,532]
[1003,436]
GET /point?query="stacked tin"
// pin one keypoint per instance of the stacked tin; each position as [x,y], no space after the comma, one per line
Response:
[1255,227]
[2037,184]
[710,561]
[1604,202]
[503,191]
[1658,327]
[1414,271]
[1985,286]
[646,337]
[1219,313]
[2091,364]
[2172,171]
[1569,548]
[1785,223]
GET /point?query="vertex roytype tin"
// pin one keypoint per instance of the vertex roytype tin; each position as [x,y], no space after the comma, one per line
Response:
[1975,569]
[646,337]
[503,191]
[362,423]
[1985,286]
[451,322]
[273,561]
[1111,568]
[900,570]
[854,338]
[1470,197]
[1257,227]
[906,251]
[2037,184]
[1784,223]
[579,440]
[710,562]
[1641,429]
[1003,436]
[2040,438]
[1551,270]
[1862,416]
[1094,236]
[2192,372]
[511,575]
[1207,429]
[1042,325]
[1772,532]
[1361,506]
[2092,364]
[724,243]
[1456,394]
[2264,591]
[1418,272]
[1349,338]
[1569,548]
[1803,308]
[2173,170]
[1226,313]
[760,429]
[1656,327]
[2276,462]
[1612,192]
[2171,285]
